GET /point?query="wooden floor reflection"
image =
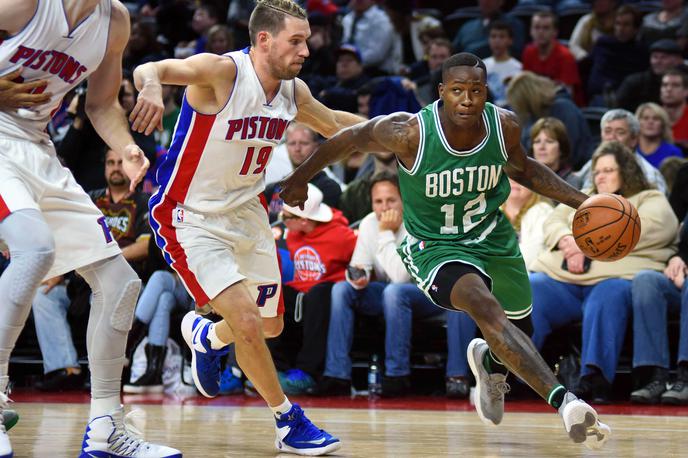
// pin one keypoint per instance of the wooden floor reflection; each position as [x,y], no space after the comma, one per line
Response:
[55,430]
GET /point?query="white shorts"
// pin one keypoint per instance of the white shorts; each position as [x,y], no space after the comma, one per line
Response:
[211,252]
[31,176]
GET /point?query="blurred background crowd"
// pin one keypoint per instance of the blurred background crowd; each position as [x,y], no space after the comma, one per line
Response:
[600,88]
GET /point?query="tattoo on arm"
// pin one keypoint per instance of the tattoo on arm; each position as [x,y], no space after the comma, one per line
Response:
[544,181]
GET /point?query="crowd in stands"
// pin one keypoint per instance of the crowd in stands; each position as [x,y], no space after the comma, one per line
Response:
[601,91]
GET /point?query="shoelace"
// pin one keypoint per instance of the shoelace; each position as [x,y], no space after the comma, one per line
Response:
[679,386]
[302,425]
[127,438]
[498,389]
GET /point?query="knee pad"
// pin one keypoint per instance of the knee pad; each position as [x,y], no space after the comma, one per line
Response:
[116,286]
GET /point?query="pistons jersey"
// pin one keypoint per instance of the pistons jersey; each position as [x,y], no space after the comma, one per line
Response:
[217,162]
[46,49]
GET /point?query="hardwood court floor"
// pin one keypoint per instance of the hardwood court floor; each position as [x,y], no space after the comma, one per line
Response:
[245,429]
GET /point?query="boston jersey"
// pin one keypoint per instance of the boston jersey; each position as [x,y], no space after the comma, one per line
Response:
[216,162]
[63,57]
[450,194]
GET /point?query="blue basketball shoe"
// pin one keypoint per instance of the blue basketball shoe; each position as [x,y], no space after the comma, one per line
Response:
[205,362]
[116,436]
[296,434]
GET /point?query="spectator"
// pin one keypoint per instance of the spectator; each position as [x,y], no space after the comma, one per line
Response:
[204,17]
[645,86]
[590,27]
[664,23]
[368,27]
[439,50]
[424,29]
[567,287]
[656,295]
[301,142]
[623,127]
[320,244]
[674,92]
[546,56]
[550,145]
[615,56]
[126,220]
[655,139]
[670,168]
[220,40]
[527,212]
[501,67]
[341,95]
[142,46]
[238,14]
[318,70]
[377,283]
[473,35]
[533,97]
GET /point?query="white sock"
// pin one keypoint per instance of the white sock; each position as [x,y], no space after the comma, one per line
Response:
[282,408]
[103,406]
[568,397]
[215,342]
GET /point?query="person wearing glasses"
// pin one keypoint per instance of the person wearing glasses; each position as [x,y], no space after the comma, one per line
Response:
[569,287]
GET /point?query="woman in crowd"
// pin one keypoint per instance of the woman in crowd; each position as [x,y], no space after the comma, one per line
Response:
[655,141]
[569,287]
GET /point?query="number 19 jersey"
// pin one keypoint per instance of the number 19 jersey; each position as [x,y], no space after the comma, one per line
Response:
[217,162]
[450,194]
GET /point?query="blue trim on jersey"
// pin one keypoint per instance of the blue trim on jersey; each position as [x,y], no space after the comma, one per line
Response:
[164,173]
[246,50]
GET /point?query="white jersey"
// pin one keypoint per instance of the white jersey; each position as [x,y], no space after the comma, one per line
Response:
[46,49]
[217,162]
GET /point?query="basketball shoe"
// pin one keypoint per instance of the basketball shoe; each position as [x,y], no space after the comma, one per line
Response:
[116,436]
[205,362]
[489,388]
[296,434]
[5,445]
[582,423]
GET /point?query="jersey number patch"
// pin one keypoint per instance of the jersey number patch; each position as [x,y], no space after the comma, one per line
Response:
[473,208]
[262,159]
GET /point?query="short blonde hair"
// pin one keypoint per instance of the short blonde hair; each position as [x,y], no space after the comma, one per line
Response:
[667,134]
[268,16]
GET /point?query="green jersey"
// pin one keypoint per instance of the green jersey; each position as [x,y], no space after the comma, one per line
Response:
[450,194]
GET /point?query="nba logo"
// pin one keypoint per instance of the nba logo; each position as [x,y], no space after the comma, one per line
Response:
[179,215]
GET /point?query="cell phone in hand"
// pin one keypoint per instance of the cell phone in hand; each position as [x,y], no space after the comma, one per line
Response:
[586,265]
[355,273]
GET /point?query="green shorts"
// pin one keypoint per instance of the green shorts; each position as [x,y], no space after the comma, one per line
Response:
[496,255]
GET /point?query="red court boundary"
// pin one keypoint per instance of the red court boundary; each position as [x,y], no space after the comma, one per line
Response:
[409,403]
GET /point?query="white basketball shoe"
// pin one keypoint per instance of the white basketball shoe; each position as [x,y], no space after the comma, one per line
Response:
[582,423]
[116,436]
[5,445]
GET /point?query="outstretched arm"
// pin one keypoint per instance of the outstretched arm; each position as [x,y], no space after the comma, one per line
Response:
[102,106]
[531,173]
[396,133]
[318,117]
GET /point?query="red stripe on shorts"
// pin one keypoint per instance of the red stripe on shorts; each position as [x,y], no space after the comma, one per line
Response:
[163,215]
[4,209]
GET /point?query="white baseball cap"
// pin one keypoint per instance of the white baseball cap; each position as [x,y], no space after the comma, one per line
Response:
[313,208]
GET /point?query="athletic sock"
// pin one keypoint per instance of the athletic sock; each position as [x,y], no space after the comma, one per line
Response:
[556,396]
[282,408]
[493,365]
[215,342]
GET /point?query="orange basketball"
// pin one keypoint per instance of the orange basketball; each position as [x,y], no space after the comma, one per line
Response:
[606,227]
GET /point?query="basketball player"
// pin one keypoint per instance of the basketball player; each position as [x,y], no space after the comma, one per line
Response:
[207,215]
[47,220]
[455,157]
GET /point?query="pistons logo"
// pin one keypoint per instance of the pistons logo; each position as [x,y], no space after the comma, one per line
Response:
[307,265]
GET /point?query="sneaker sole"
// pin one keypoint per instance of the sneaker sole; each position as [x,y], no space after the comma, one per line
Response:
[284,448]
[584,431]
[474,368]
[188,338]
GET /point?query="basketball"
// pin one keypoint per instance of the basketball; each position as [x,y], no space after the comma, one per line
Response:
[606,227]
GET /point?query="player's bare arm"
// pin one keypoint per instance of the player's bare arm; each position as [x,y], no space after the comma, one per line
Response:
[318,117]
[396,133]
[531,173]
[102,105]
[14,15]
[209,77]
